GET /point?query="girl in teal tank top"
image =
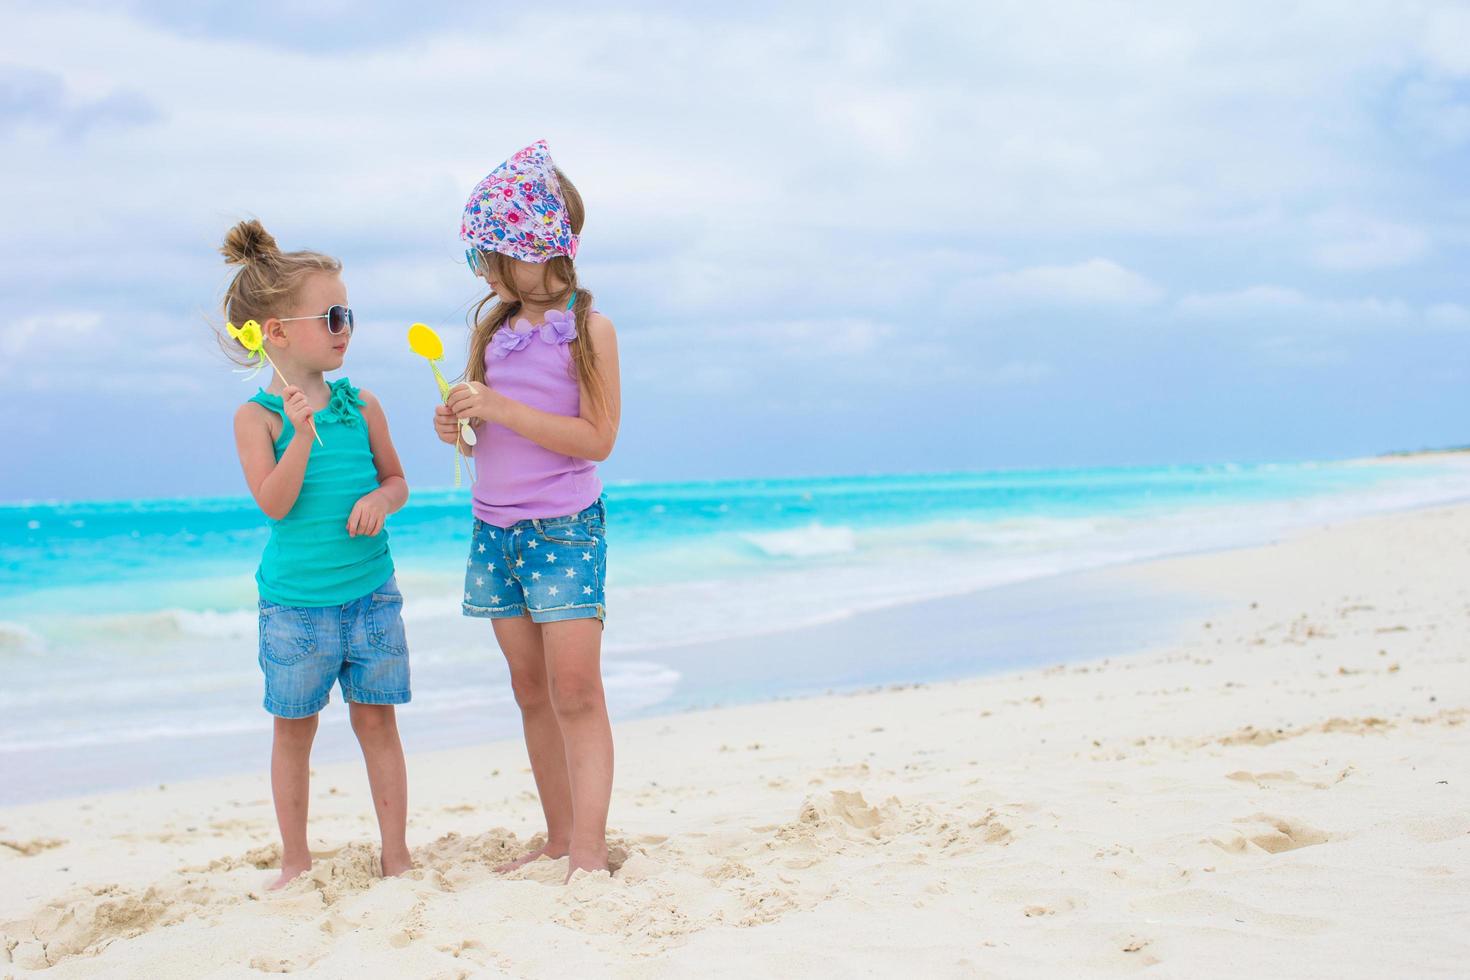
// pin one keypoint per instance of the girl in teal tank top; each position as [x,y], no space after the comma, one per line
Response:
[311,559]
[319,460]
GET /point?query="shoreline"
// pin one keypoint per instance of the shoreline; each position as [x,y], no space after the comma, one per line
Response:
[1025,619]
[462,694]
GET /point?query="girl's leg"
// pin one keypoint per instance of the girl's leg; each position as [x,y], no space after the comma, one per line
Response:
[520,640]
[376,727]
[573,663]
[291,787]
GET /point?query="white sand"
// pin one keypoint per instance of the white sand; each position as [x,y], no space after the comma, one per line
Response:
[1283,792]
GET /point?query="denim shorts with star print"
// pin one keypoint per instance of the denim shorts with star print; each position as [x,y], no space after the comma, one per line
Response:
[550,567]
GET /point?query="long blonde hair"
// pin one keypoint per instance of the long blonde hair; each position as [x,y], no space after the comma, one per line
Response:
[485,322]
[267,281]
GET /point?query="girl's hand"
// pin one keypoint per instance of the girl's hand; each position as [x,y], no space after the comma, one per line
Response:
[446,427]
[367,516]
[473,401]
[298,409]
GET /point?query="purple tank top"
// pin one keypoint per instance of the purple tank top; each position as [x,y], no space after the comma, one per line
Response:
[515,479]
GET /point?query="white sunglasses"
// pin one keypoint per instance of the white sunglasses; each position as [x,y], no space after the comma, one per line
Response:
[339,319]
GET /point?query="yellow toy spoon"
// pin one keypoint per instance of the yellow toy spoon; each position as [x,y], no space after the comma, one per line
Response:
[423,341]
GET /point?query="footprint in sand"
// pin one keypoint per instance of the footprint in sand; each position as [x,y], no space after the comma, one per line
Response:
[1200,902]
[1274,835]
[260,858]
[30,848]
[839,813]
[272,963]
[766,905]
[469,949]
[1262,779]
[87,920]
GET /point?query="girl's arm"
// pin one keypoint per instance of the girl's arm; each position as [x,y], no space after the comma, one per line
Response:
[589,435]
[274,485]
[372,509]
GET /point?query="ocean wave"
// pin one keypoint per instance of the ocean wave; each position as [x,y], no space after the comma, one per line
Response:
[235,724]
[727,584]
[207,622]
[813,541]
[17,638]
[630,685]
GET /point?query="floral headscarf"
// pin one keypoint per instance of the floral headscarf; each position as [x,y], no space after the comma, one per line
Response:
[518,210]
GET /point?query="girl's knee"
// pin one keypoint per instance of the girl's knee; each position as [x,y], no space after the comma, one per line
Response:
[576,695]
[372,719]
[296,729]
[529,687]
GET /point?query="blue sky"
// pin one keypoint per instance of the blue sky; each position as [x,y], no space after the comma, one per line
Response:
[834,238]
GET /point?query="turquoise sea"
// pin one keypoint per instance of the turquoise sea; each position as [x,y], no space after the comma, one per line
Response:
[127,628]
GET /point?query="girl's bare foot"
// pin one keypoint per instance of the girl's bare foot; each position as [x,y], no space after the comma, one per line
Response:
[590,859]
[545,850]
[289,873]
[395,864]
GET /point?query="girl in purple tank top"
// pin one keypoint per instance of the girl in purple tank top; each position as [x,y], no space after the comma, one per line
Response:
[541,390]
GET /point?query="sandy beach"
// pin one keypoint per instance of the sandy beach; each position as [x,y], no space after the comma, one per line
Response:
[1279,790]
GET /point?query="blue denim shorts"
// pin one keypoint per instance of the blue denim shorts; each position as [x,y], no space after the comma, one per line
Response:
[304,650]
[550,567]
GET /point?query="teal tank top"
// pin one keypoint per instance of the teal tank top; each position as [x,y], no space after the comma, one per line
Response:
[310,560]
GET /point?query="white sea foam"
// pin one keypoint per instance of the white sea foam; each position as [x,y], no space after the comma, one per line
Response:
[202,705]
[813,541]
[18,638]
[208,622]
[235,723]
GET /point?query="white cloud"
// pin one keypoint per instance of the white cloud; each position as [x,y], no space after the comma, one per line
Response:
[757,339]
[851,186]
[1351,241]
[51,333]
[1019,372]
[1278,305]
[1096,282]
[1448,315]
[1296,352]
[1446,39]
[1435,113]
[1251,300]
[1018,120]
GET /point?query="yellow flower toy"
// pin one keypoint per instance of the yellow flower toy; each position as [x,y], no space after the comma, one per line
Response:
[253,341]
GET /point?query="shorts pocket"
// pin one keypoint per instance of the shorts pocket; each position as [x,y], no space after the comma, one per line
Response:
[385,623]
[286,634]
[570,532]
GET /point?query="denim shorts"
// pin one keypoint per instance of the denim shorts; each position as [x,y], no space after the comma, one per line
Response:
[550,567]
[304,650]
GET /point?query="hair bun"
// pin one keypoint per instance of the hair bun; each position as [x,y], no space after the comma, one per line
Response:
[249,242]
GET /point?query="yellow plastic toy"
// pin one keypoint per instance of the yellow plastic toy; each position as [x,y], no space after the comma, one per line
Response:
[253,341]
[423,341]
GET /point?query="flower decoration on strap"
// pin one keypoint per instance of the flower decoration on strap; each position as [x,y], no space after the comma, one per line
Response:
[507,340]
[560,327]
[345,403]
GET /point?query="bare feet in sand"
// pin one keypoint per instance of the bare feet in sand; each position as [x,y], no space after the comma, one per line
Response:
[393,865]
[590,859]
[545,850]
[289,873]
